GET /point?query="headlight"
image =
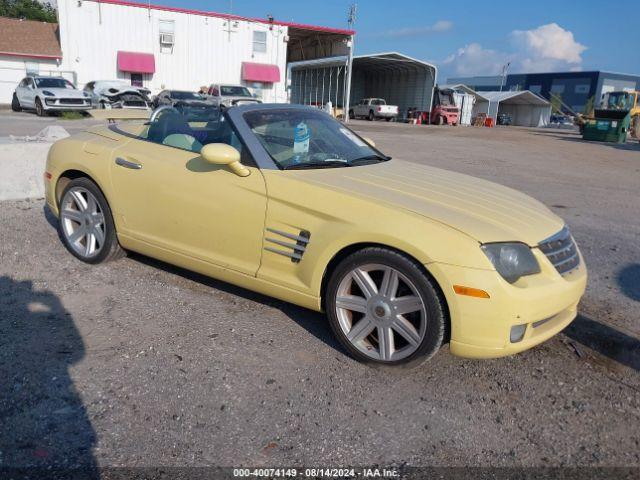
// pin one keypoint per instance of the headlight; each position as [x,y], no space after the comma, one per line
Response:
[511,260]
[86,94]
[48,93]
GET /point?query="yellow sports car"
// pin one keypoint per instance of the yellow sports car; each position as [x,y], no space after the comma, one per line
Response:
[286,201]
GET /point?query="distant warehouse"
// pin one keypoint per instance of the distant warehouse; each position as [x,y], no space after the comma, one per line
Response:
[577,90]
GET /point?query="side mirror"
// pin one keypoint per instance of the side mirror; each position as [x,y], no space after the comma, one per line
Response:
[369,141]
[223,154]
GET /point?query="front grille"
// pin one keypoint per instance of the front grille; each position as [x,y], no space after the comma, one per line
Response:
[71,101]
[561,251]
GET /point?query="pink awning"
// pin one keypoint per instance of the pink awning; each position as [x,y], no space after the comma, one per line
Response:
[260,72]
[136,62]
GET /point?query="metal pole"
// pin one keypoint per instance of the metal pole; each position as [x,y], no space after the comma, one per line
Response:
[347,91]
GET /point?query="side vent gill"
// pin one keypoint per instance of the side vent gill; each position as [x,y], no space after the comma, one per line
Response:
[284,245]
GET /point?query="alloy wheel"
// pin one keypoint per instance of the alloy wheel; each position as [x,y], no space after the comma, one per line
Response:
[82,222]
[381,312]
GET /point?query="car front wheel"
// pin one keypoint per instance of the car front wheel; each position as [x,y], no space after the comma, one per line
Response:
[86,224]
[384,309]
[40,111]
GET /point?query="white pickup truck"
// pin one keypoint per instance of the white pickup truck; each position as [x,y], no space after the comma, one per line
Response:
[373,108]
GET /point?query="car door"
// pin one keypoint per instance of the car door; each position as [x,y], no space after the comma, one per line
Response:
[28,94]
[359,109]
[171,198]
[20,91]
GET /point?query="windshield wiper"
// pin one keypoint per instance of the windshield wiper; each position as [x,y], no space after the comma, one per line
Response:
[369,159]
[320,164]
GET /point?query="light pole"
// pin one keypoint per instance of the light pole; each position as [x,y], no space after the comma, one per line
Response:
[504,74]
[347,88]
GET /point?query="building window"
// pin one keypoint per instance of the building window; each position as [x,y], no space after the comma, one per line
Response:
[136,80]
[557,88]
[32,67]
[584,88]
[167,35]
[536,88]
[259,42]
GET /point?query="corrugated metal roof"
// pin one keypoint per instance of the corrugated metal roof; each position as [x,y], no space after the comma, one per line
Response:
[464,88]
[523,97]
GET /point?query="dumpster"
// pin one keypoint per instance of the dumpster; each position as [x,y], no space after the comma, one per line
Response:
[607,126]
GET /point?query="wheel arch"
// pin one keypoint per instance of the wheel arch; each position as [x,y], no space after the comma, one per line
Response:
[71,174]
[347,250]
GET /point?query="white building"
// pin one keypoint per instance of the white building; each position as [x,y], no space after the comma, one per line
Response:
[163,47]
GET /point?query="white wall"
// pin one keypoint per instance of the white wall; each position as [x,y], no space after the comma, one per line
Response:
[14,69]
[204,52]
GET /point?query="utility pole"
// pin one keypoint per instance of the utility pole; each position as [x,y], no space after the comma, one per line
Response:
[351,19]
[505,67]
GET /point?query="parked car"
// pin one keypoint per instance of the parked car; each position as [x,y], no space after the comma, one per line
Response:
[117,94]
[286,201]
[373,108]
[46,94]
[229,95]
[504,119]
[561,121]
[170,97]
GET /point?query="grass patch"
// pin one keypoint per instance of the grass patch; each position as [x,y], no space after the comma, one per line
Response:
[71,115]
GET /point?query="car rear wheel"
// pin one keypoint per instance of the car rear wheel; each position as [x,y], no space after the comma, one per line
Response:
[86,224]
[15,104]
[351,114]
[384,309]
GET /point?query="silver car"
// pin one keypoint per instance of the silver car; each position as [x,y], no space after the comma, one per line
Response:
[117,94]
[229,95]
[46,94]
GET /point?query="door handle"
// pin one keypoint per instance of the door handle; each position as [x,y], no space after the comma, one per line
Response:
[127,164]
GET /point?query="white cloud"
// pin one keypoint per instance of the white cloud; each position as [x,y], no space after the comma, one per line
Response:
[549,43]
[472,59]
[545,48]
[438,27]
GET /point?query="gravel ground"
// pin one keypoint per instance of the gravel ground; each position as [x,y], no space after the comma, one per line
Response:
[137,363]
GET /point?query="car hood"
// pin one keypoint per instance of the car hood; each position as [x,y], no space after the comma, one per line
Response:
[64,92]
[486,211]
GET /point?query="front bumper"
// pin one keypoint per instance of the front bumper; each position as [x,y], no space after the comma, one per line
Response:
[54,103]
[480,327]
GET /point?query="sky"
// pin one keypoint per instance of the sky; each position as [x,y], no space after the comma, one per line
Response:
[471,37]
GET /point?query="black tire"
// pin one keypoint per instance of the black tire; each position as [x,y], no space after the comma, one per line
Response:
[388,119]
[351,114]
[15,104]
[371,116]
[111,249]
[436,324]
[439,120]
[40,111]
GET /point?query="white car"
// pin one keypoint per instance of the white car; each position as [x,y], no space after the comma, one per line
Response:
[117,94]
[372,108]
[45,94]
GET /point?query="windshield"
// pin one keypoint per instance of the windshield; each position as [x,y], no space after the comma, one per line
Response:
[186,96]
[617,100]
[230,91]
[54,83]
[309,139]
[198,113]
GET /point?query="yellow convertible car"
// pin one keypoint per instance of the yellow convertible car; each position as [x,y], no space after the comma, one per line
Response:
[286,201]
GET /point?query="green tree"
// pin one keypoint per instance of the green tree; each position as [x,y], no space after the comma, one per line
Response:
[29,10]
[556,103]
[588,106]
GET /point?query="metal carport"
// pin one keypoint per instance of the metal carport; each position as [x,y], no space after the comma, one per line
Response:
[525,107]
[399,79]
